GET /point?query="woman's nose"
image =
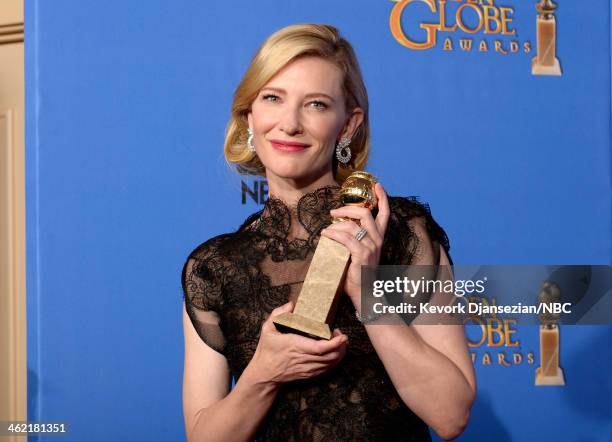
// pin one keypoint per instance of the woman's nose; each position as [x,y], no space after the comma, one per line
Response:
[290,121]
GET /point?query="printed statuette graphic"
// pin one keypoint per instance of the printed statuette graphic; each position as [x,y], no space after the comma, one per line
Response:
[546,61]
[549,372]
[316,305]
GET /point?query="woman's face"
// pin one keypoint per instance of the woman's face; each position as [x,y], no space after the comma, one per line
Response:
[298,117]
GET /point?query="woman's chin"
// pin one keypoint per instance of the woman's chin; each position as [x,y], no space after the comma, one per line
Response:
[296,173]
[294,168]
[290,170]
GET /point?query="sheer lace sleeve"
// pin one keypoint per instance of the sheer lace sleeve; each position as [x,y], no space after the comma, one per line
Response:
[424,245]
[413,236]
[202,281]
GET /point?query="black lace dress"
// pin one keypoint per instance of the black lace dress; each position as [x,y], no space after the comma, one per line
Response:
[232,282]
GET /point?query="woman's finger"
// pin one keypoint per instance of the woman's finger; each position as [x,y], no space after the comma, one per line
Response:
[268,324]
[382,218]
[363,215]
[318,347]
[351,228]
[324,358]
[337,332]
[359,251]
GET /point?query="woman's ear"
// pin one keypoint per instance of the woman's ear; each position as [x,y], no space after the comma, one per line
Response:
[353,122]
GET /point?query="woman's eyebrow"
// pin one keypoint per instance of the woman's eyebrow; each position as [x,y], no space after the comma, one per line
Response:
[312,94]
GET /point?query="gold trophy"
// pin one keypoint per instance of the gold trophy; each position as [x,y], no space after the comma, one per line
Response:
[549,372]
[546,61]
[318,300]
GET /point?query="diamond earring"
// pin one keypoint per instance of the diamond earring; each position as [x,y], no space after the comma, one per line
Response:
[343,151]
[250,145]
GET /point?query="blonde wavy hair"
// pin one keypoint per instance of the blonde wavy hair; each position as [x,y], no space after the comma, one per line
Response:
[282,47]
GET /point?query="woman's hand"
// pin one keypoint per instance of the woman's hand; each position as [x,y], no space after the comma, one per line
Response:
[283,357]
[366,251]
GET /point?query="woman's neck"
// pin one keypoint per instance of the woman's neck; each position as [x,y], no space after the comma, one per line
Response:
[291,190]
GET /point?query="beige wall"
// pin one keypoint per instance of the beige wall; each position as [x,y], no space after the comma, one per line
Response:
[12,215]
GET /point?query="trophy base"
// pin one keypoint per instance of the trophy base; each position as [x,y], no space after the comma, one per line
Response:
[539,69]
[557,379]
[291,322]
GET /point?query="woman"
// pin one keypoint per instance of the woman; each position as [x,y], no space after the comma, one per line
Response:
[299,113]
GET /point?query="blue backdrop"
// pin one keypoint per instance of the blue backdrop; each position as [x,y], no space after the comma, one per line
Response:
[126,106]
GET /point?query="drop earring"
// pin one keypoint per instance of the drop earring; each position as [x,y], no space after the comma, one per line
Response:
[343,151]
[250,145]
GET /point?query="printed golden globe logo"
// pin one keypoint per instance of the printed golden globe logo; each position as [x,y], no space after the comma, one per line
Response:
[498,336]
[499,344]
[472,17]
[474,25]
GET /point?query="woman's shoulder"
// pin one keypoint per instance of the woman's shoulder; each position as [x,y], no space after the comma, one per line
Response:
[206,270]
[211,247]
[211,265]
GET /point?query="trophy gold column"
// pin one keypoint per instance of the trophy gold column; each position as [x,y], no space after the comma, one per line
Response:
[316,305]
[549,372]
[546,61]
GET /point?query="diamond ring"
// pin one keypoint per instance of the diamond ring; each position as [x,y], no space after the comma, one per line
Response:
[360,234]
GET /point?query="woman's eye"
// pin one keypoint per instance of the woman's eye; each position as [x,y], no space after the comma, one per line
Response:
[270,97]
[319,105]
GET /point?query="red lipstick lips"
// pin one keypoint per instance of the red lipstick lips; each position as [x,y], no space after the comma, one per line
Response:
[288,146]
